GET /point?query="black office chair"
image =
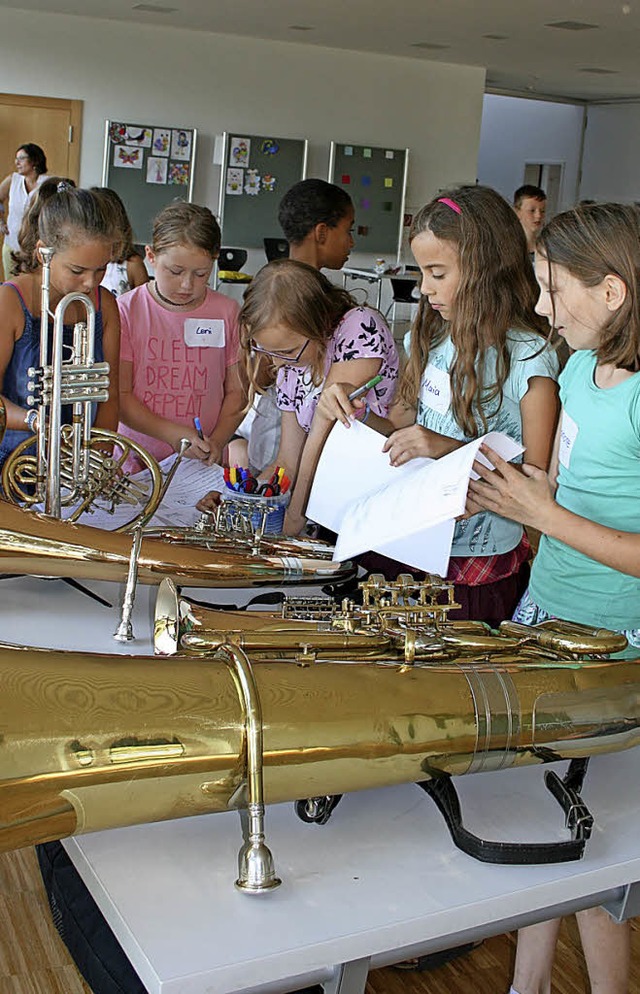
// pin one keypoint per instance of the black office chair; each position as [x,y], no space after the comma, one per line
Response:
[276,248]
[230,262]
[402,292]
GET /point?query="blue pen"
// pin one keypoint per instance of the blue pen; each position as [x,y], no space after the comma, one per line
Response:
[198,428]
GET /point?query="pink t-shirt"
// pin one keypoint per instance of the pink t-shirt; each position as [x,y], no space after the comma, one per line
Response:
[179,358]
[361,334]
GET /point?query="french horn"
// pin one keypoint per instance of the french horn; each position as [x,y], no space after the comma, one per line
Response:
[93,741]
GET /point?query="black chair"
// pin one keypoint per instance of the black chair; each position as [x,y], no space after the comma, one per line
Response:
[276,248]
[230,262]
[402,292]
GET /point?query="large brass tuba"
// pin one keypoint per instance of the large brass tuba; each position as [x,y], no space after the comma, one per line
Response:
[93,741]
[73,465]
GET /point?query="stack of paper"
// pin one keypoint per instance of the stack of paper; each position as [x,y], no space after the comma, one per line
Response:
[406,512]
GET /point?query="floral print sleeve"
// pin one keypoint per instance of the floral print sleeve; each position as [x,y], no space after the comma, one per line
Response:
[361,334]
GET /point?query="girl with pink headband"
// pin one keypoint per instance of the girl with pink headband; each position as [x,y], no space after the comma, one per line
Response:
[478,362]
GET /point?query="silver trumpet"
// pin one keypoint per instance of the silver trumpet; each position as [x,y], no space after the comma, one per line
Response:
[74,464]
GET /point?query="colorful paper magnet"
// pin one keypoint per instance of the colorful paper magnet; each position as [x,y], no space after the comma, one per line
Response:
[363,230]
[365,203]
[252,182]
[388,154]
[161,141]
[156,170]
[235,180]
[117,132]
[388,182]
[269,147]
[179,173]
[387,205]
[138,136]
[366,181]
[346,179]
[268,183]
[127,157]
[239,151]
[348,150]
[180,144]
[366,152]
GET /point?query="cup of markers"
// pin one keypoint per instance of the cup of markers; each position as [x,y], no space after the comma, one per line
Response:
[272,495]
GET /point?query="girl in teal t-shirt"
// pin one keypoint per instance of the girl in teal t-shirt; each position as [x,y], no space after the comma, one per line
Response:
[587,506]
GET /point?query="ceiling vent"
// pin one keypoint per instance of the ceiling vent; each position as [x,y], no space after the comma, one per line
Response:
[595,71]
[300,27]
[430,45]
[497,37]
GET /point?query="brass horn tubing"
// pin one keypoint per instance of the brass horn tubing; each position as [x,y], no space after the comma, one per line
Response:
[52,496]
[31,543]
[46,255]
[326,729]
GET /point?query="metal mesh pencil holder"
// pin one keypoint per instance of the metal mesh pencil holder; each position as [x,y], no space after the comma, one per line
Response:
[251,514]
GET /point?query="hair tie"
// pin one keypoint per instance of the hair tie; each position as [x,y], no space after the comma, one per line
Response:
[63,186]
[450,203]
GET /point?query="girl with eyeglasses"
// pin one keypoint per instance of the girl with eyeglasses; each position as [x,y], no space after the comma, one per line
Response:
[179,355]
[315,334]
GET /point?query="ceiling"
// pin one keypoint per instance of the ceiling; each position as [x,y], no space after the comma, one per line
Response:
[595,56]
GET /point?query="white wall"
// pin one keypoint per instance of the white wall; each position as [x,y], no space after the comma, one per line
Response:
[516,131]
[217,83]
[612,153]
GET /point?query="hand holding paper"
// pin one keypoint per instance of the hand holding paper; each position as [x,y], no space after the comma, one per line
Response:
[406,512]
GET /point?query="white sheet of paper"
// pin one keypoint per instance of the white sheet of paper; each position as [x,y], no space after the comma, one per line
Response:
[406,512]
[192,481]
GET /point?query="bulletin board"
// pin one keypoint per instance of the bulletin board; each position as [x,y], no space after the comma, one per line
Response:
[149,166]
[376,181]
[256,171]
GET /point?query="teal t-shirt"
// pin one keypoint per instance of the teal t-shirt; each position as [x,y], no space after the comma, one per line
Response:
[485,534]
[599,479]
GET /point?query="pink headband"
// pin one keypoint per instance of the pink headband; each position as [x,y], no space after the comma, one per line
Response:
[450,203]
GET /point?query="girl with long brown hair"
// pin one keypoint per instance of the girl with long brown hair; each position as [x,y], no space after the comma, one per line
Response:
[478,362]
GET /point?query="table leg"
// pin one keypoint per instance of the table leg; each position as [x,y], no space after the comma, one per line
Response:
[350,978]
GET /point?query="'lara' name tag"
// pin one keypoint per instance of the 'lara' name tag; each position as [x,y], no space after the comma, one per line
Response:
[435,389]
[568,435]
[204,332]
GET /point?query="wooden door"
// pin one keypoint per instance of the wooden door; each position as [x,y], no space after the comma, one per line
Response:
[54,124]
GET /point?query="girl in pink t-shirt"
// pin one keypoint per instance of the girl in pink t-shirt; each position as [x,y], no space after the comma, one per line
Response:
[179,350]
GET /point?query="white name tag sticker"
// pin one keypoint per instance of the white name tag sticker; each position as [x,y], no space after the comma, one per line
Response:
[435,389]
[568,435]
[204,333]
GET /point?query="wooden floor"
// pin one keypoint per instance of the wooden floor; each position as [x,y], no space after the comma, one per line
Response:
[33,959]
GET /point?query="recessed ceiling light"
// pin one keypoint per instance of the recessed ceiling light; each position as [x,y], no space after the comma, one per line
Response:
[429,45]
[301,27]
[154,8]
[571,25]
[497,37]
[599,72]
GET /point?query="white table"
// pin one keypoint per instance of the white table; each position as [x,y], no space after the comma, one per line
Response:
[380,882]
[371,276]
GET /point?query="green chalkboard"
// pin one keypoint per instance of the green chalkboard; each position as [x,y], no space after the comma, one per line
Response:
[148,165]
[376,181]
[256,171]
